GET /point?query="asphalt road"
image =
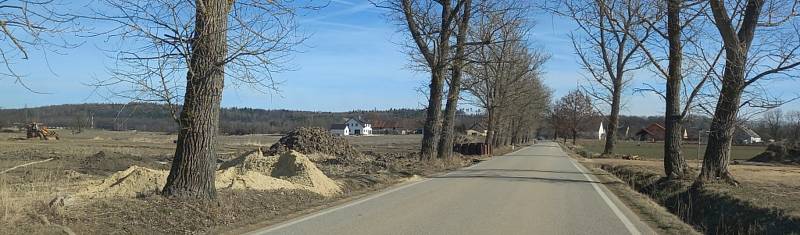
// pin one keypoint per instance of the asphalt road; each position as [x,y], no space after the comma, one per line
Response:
[536,190]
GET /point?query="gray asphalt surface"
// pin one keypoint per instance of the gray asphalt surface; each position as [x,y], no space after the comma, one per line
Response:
[536,190]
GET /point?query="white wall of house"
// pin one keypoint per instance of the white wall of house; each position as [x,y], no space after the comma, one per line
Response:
[753,140]
[359,128]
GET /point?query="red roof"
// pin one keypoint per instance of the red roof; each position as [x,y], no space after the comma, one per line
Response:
[654,130]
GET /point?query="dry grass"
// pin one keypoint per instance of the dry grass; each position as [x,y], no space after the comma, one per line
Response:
[656,150]
[22,203]
[26,192]
[774,189]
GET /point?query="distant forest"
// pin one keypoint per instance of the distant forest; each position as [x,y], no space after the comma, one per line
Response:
[234,121]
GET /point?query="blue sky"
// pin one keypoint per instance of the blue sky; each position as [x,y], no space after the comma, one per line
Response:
[352,60]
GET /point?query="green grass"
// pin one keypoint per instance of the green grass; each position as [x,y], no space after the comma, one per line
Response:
[656,150]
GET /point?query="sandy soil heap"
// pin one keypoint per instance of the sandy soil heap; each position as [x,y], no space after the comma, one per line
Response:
[317,140]
[253,171]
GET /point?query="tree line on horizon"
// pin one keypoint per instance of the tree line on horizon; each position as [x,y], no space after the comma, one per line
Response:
[234,121]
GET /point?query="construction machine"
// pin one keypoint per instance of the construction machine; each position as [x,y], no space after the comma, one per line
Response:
[39,130]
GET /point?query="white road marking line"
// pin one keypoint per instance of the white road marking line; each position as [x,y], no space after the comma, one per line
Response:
[627,222]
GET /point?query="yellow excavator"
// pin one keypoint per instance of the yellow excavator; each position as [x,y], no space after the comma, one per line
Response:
[39,130]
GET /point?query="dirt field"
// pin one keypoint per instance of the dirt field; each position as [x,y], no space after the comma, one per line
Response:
[27,194]
[648,150]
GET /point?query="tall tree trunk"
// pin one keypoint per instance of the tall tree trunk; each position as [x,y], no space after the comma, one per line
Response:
[430,131]
[737,45]
[674,164]
[574,136]
[489,141]
[718,151]
[194,163]
[433,125]
[445,149]
[613,120]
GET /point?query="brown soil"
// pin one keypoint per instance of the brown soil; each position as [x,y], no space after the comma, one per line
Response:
[103,163]
[317,140]
[782,153]
[154,214]
[26,193]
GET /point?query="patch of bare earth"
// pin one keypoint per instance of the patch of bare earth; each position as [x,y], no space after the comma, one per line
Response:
[107,182]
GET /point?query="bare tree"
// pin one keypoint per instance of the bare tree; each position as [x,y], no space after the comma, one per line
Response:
[793,125]
[498,71]
[679,96]
[760,41]
[773,119]
[674,164]
[608,49]
[574,112]
[531,110]
[445,148]
[27,26]
[160,42]
[430,25]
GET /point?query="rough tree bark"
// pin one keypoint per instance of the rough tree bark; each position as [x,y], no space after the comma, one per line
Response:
[194,163]
[430,131]
[490,119]
[445,148]
[674,164]
[718,152]
[438,62]
[737,45]
[613,120]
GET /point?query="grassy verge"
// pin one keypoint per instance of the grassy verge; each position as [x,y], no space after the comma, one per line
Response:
[765,202]
[656,216]
[710,208]
[655,151]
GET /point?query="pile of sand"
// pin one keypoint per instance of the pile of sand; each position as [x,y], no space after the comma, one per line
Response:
[252,171]
[317,140]
[128,183]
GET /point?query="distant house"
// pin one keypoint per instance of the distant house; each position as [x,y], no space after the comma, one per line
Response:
[653,132]
[358,126]
[476,129]
[387,128]
[340,129]
[745,135]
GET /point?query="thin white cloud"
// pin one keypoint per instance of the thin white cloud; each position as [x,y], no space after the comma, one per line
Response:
[353,9]
[343,2]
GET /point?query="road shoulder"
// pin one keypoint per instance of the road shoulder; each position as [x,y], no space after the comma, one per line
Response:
[658,218]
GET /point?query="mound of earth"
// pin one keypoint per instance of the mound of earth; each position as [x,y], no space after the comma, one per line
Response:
[253,171]
[131,182]
[780,153]
[317,140]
